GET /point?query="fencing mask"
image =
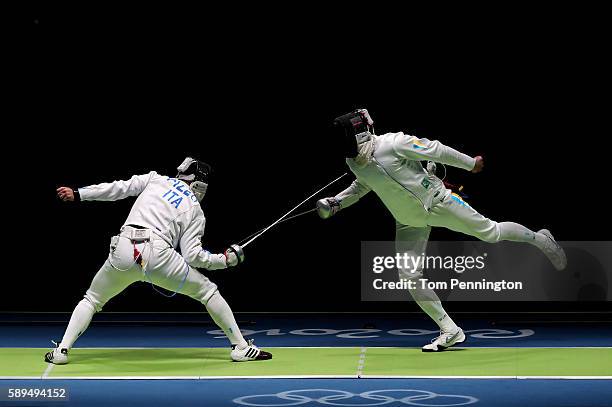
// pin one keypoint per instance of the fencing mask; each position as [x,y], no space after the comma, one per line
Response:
[196,174]
[355,127]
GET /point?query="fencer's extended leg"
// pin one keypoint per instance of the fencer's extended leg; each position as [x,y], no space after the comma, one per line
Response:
[413,241]
[455,214]
[541,239]
[107,283]
[79,321]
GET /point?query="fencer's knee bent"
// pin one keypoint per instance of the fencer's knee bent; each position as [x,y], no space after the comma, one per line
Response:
[90,301]
[198,286]
[209,295]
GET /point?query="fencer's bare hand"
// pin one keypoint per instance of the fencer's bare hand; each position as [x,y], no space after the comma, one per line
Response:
[479,164]
[65,194]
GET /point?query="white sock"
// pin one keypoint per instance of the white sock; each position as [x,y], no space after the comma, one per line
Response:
[429,302]
[81,317]
[222,314]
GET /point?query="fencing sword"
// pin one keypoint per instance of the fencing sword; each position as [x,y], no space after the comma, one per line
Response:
[282,218]
[283,221]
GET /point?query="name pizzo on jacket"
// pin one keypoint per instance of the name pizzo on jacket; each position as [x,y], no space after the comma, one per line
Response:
[178,191]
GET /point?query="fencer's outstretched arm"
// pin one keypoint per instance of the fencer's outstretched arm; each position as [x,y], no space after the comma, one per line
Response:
[191,245]
[352,194]
[327,207]
[113,191]
[414,148]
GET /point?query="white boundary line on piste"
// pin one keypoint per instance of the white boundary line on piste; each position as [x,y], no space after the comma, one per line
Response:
[361,362]
[48,370]
[301,377]
[312,347]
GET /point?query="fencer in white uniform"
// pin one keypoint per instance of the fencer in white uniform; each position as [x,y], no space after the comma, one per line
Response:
[165,216]
[390,165]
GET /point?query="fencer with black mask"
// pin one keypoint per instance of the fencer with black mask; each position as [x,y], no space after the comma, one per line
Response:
[165,217]
[390,165]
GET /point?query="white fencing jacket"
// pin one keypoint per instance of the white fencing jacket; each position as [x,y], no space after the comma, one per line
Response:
[395,173]
[166,206]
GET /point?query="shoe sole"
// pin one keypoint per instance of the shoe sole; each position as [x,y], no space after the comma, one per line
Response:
[562,258]
[263,355]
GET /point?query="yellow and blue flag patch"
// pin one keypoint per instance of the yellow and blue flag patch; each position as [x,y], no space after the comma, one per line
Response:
[418,145]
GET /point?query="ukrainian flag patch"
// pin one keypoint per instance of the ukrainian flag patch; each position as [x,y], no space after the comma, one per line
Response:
[417,145]
[458,199]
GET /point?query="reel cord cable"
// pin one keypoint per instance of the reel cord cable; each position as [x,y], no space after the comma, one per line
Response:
[283,221]
[291,211]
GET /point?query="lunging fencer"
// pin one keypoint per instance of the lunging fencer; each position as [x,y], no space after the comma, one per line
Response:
[390,165]
[166,216]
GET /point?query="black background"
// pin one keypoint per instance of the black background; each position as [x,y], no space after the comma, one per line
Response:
[101,95]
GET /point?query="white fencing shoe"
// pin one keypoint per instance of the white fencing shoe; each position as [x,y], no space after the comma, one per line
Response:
[251,352]
[553,250]
[445,340]
[57,356]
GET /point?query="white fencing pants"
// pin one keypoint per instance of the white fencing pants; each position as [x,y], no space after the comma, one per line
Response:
[164,267]
[455,214]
